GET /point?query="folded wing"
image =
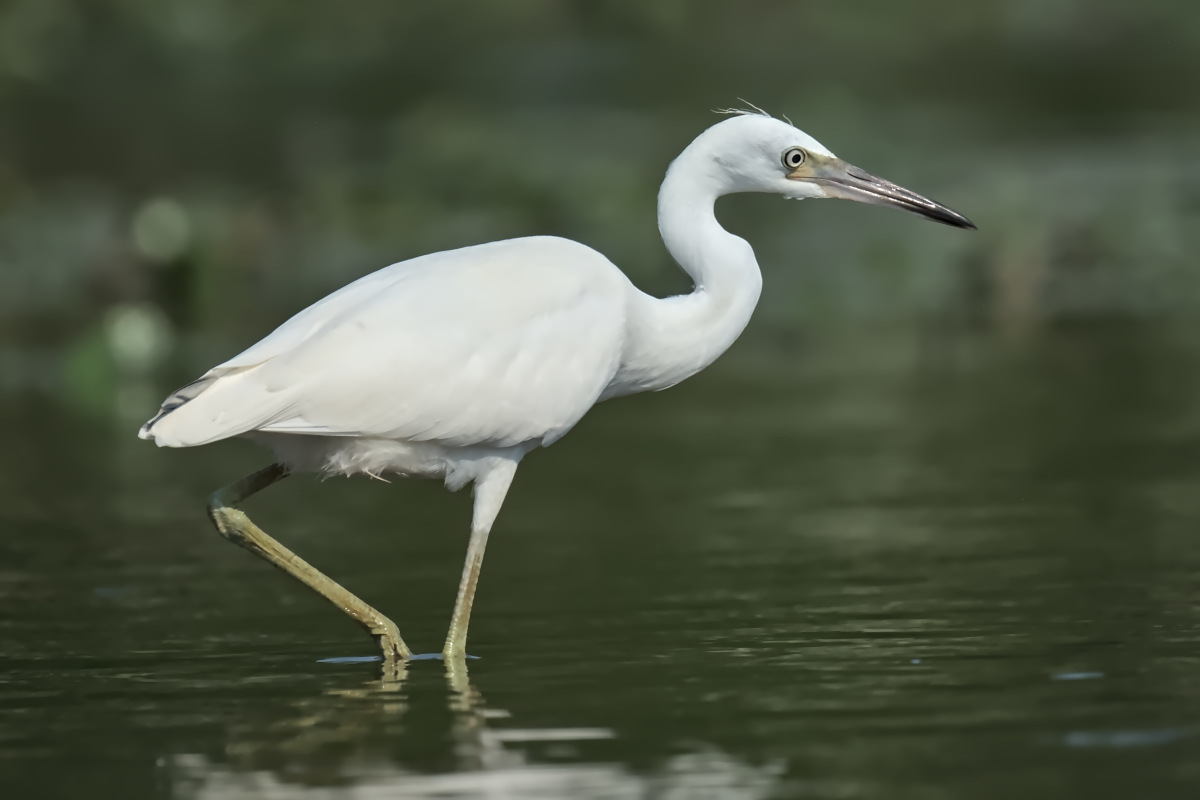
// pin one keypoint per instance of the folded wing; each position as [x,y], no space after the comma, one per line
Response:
[498,344]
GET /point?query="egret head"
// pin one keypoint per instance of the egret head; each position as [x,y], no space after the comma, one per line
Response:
[753,152]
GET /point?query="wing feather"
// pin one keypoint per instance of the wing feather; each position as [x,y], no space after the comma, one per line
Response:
[496,344]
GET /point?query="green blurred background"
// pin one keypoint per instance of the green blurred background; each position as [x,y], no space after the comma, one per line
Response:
[179,176]
[928,530]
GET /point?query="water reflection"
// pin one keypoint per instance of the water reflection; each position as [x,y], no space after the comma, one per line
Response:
[929,530]
[887,567]
[344,742]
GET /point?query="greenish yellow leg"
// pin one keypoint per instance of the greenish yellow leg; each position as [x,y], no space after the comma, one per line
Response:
[235,526]
[490,490]
[456,638]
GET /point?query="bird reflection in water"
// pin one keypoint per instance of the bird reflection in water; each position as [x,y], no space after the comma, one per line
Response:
[406,734]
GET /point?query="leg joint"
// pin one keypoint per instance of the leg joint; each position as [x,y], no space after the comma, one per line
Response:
[229,522]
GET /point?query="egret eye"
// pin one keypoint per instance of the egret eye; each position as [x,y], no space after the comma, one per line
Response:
[793,157]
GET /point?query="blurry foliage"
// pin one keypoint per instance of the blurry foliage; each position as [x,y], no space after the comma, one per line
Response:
[229,162]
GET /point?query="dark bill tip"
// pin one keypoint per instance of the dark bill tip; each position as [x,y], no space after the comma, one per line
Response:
[851,183]
[947,217]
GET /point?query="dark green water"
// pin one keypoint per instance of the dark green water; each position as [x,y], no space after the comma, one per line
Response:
[903,562]
[931,530]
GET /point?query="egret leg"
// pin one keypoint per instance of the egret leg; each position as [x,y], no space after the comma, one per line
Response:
[235,526]
[490,489]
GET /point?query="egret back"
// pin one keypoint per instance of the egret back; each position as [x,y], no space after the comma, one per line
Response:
[496,344]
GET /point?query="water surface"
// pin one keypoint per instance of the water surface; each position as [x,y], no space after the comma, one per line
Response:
[899,562]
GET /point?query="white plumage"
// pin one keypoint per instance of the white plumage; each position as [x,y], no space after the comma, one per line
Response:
[457,364]
[438,352]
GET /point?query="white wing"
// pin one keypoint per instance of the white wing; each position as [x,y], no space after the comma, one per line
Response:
[497,344]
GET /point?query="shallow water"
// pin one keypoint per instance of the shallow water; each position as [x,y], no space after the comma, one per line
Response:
[949,555]
[910,562]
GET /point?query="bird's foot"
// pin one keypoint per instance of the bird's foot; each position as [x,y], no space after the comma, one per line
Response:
[411,657]
[387,636]
[440,657]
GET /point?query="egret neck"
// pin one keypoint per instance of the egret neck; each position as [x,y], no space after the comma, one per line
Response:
[671,339]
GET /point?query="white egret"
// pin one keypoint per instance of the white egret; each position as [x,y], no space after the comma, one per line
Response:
[457,364]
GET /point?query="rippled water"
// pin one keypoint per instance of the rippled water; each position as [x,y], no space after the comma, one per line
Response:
[895,563]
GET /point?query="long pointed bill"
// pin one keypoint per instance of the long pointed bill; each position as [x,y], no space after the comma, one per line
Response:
[839,179]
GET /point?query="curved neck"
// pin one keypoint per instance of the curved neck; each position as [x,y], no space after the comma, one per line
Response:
[674,338]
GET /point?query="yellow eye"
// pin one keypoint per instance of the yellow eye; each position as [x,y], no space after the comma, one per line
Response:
[793,157]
